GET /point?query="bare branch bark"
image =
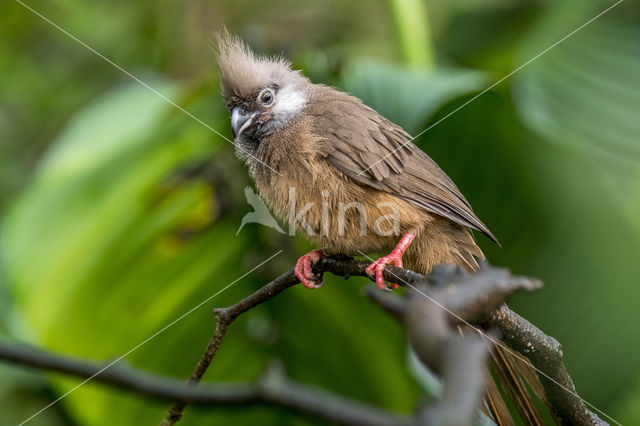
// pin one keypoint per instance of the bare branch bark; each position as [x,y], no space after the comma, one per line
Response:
[481,301]
[545,353]
[224,319]
[462,373]
[274,387]
[459,360]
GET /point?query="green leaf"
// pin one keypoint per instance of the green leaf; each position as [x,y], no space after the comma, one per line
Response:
[103,130]
[583,94]
[408,96]
[581,101]
[98,263]
[94,251]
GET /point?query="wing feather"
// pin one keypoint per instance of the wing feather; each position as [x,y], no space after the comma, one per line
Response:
[373,151]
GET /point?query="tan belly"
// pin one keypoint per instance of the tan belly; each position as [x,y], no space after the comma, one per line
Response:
[312,198]
[338,214]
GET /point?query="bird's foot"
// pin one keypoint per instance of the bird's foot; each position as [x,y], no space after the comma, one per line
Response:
[376,269]
[304,271]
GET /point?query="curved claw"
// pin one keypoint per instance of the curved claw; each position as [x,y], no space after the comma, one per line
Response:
[304,271]
[376,269]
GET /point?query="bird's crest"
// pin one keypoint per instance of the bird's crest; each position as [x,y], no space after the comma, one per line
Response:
[242,72]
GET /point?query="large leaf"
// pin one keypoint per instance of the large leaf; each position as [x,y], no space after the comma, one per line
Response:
[408,96]
[584,95]
[581,99]
[98,263]
[92,248]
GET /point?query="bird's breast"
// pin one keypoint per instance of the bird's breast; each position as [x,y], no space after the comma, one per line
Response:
[335,212]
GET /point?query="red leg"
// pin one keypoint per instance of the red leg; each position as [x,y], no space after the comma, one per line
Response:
[305,273]
[394,258]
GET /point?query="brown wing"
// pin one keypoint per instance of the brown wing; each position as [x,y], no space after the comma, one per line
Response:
[373,151]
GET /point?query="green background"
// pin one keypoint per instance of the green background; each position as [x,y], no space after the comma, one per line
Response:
[118,212]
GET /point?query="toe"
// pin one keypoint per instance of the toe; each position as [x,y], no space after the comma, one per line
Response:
[304,271]
[306,267]
[380,276]
[310,284]
[376,270]
[397,262]
[299,270]
[371,269]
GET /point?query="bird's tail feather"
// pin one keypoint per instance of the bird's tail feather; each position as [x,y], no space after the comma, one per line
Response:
[511,370]
[514,373]
[494,406]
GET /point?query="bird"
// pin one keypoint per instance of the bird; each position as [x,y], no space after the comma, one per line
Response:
[351,180]
[356,181]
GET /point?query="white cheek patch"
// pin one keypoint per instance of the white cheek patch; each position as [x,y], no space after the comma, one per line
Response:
[289,102]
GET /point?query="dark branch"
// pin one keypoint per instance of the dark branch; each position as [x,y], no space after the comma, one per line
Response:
[463,383]
[480,299]
[435,319]
[545,353]
[342,266]
[274,387]
[225,317]
[432,333]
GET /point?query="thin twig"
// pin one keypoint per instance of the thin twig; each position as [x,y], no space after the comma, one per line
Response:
[224,319]
[225,316]
[474,301]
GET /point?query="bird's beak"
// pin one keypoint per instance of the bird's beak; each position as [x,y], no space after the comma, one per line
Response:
[240,121]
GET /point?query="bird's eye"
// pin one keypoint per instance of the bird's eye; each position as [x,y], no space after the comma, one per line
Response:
[266,97]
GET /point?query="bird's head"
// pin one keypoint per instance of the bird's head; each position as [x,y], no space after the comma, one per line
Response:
[263,94]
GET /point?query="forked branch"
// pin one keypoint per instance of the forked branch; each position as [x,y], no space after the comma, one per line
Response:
[431,312]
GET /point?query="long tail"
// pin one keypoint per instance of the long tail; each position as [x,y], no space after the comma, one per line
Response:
[511,371]
[509,374]
[514,372]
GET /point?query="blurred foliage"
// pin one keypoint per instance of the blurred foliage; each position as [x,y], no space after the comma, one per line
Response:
[119,211]
[398,92]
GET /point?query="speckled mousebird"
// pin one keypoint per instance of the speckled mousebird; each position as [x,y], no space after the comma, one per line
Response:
[311,145]
[354,183]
